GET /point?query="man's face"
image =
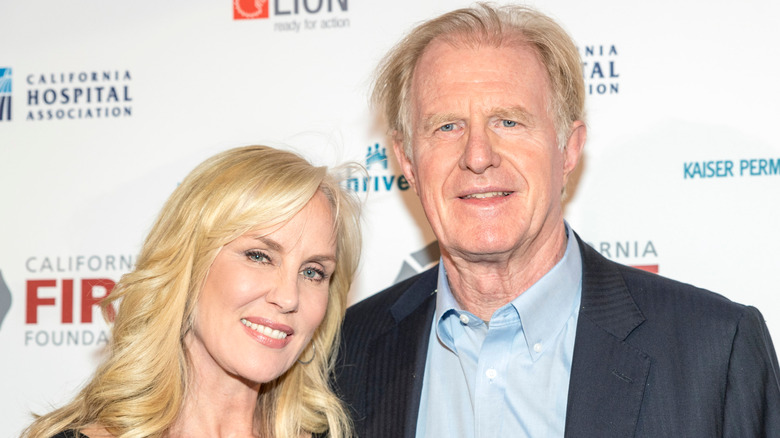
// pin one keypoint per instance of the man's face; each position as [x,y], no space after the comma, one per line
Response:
[485,161]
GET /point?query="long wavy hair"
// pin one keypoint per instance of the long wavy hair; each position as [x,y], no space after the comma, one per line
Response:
[139,389]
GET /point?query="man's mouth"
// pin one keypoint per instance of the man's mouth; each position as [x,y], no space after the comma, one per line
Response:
[486,195]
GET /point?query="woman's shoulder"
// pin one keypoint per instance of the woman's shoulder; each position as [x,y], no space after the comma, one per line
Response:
[69,434]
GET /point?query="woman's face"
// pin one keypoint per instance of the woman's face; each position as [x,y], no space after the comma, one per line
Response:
[265,294]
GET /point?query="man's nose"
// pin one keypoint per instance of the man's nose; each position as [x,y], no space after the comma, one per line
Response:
[479,153]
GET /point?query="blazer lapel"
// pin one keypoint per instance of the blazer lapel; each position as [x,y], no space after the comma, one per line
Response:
[396,360]
[608,375]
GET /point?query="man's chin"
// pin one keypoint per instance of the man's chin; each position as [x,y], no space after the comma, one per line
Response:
[481,251]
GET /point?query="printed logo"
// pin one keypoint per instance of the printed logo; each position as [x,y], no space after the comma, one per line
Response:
[599,69]
[62,298]
[425,258]
[5,299]
[319,13]
[716,169]
[637,254]
[5,97]
[79,95]
[377,180]
[419,261]
[376,156]
[250,9]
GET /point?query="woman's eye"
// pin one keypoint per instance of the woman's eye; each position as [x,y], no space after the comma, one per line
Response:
[313,274]
[508,123]
[257,256]
[448,127]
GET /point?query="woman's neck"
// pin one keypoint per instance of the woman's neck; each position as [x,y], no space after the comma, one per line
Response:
[217,404]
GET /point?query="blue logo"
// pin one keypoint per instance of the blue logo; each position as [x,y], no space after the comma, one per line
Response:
[79,95]
[599,69]
[5,97]
[745,167]
[376,156]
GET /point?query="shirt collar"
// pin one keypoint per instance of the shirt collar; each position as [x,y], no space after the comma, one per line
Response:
[546,306]
[543,309]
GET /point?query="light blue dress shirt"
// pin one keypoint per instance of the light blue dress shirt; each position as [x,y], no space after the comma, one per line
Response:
[508,377]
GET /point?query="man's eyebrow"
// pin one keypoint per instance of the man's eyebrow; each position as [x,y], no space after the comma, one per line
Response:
[431,121]
[516,113]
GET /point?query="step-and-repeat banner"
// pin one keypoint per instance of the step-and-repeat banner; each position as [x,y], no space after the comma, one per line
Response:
[105,106]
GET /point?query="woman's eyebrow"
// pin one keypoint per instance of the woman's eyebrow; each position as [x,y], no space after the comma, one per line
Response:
[270,243]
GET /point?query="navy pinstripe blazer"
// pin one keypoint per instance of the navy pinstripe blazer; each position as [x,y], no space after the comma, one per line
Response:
[652,358]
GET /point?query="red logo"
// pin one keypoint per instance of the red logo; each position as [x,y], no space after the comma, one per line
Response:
[250,9]
[88,299]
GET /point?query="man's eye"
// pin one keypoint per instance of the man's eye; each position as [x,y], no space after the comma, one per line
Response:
[448,127]
[508,123]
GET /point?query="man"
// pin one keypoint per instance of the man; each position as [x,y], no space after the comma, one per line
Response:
[522,330]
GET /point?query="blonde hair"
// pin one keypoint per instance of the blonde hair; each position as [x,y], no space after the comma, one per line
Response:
[138,391]
[495,25]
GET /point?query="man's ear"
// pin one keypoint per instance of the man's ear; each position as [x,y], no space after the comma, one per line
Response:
[574,147]
[405,162]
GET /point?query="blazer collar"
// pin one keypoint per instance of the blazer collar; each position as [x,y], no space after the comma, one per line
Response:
[608,375]
[416,295]
[397,360]
[605,297]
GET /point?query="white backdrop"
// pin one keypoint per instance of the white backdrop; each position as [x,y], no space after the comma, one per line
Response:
[112,103]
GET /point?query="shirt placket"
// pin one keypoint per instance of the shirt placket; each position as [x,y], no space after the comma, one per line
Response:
[491,377]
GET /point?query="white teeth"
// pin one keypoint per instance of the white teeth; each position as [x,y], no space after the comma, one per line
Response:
[486,195]
[267,331]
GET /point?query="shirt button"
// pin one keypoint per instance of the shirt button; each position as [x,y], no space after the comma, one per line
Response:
[464,319]
[491,373]
[538,347]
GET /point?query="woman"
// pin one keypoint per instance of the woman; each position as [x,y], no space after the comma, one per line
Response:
[229,322]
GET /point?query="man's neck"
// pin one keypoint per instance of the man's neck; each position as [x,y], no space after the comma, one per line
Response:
[481,286]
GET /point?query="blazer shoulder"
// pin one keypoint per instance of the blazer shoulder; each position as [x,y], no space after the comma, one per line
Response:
[652,291]
[404,295]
